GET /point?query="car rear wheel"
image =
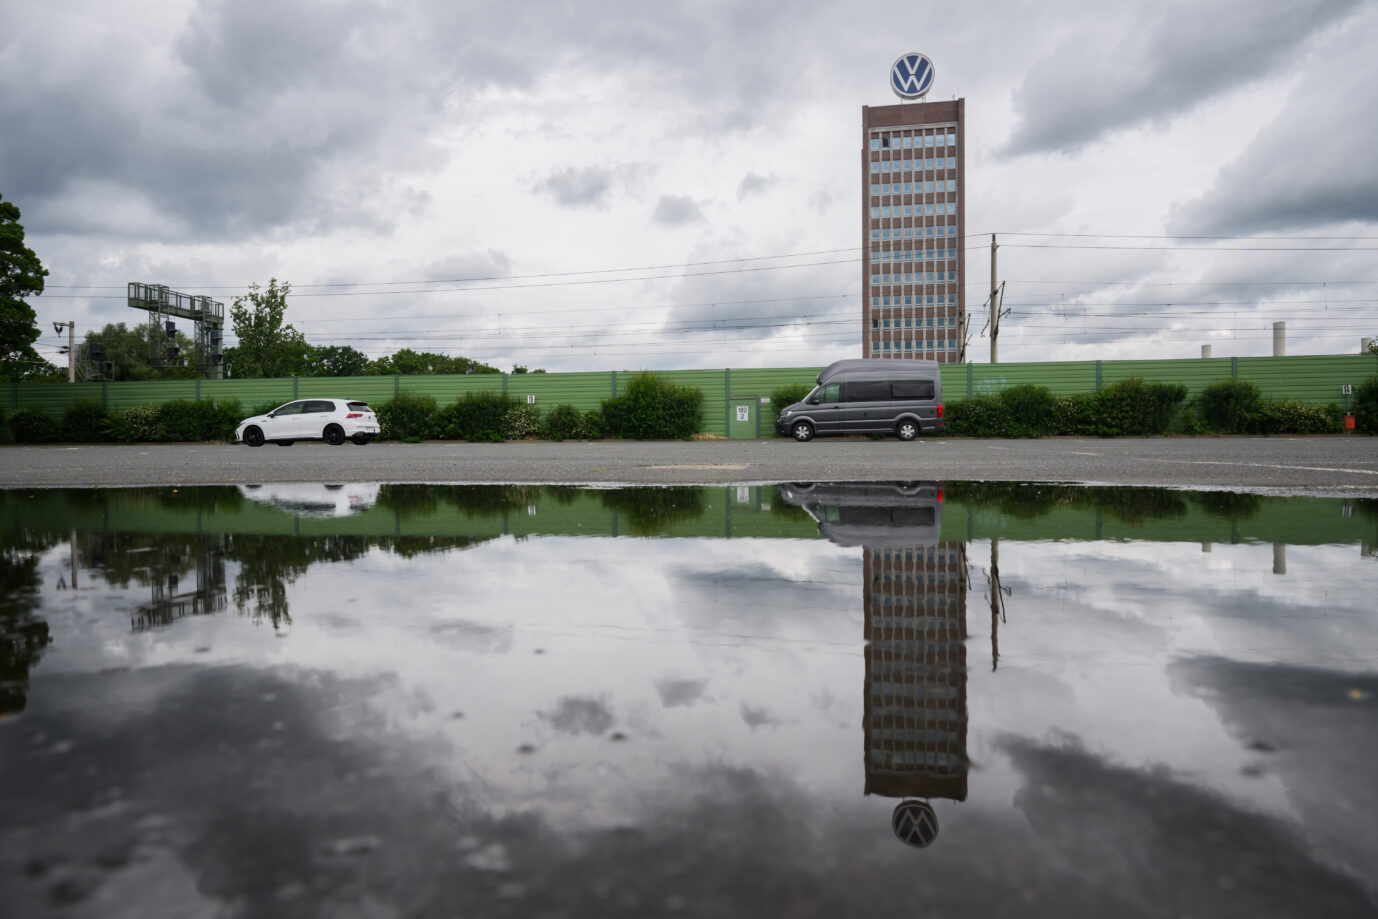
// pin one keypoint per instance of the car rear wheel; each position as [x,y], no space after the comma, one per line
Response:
[253,437]
[907,430]
[285,443]
[334,435]
[802,431]
[361,439]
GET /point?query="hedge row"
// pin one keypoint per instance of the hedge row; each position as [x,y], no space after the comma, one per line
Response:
[1136,408]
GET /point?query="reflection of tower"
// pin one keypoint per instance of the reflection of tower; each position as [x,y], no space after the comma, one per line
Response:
[170,598]
[916,710]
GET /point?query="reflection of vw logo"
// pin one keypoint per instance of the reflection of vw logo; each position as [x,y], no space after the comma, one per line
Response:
[911,77]
[914,824]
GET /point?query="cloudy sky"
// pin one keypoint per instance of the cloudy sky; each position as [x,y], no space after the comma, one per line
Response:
[583,186]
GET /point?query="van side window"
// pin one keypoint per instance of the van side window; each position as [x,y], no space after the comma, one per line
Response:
[830,393]
[912,389]
[867,391]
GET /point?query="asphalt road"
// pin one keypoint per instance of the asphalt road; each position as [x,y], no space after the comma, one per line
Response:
[1313,465]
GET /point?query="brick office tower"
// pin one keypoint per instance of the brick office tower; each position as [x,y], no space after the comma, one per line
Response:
[915,715]
[913,223]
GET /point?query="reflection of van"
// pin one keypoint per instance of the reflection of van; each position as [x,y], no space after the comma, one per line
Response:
[862,396]
[872,514]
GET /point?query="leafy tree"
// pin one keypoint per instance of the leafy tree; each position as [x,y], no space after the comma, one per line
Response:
[21,275]
[130,353]
[521,368]
[1373,346]
[267,347]
[408,362]
[338,361]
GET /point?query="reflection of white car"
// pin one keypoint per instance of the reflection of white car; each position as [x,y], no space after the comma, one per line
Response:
[331,420]
[314,500]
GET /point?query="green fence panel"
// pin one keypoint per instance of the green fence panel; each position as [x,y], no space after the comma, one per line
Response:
[1061,378]
[248,393]
[584,391]
[1195,373]
[54,398]
[127,395]
[447,388]
[1306,378]
[364,389]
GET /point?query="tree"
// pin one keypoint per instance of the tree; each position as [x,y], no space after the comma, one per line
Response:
[267,346]
[1373,346]
[21,275]
[130,354]
[338,361]
[408,362]
[522,368]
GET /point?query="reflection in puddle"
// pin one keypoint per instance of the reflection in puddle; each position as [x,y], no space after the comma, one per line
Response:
[518,699]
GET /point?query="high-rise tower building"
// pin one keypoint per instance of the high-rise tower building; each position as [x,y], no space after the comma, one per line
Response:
[913,222]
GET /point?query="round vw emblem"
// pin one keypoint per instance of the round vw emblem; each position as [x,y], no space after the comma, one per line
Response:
[911,77]
[914,824]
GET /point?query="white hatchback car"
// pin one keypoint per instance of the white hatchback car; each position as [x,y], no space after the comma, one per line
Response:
[331,420]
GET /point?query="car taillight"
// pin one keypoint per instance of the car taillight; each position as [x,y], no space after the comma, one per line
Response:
[940,495]
[940,411]
[354,415]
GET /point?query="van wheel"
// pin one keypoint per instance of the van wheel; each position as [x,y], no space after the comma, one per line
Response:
[907,430]
[802,431]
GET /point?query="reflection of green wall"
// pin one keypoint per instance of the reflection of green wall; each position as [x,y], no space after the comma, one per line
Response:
[1297,521]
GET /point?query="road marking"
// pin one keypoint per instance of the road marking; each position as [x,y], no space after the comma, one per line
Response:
[1266,466]
[697,466]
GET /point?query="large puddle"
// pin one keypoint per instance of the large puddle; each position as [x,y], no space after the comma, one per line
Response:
[828,700]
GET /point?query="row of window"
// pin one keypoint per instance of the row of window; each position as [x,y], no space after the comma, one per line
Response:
[940,344]
[914,277]
[914,188]
[913,555]
[913,210]
[912,232]
[915,300]
[885,167]
[909,141]
[911,255]
[910,320]
[924,713]
[883,689]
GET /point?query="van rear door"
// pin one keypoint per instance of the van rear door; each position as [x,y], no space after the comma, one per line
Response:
[866,406]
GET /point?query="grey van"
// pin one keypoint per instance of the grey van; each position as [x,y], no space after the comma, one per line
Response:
[869,396]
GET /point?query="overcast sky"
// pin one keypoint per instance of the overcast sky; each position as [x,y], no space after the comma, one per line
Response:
[592,186]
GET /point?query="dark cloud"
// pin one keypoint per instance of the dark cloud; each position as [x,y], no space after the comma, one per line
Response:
[1169,59]
[1312,167]
[680,693]
[572,186]
[753,184]
[677,211]
[580,715]
[758,717]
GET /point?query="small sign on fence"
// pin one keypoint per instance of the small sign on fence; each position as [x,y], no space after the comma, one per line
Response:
[1346,390]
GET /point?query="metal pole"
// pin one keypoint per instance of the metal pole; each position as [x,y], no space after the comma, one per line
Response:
[994,307]
[72,363]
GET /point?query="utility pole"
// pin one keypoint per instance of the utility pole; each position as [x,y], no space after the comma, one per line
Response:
[994,306]
[71,347]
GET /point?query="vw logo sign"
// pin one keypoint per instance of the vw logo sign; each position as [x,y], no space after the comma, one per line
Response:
[911,77]
[914,824]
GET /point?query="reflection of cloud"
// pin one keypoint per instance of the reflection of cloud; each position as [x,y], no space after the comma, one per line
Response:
[758,717]
[1129,829]
[476,637]
[680,693]
[1317,729]
[577,715]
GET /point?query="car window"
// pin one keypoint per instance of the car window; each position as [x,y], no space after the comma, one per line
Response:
[359,407]
[866,391]
[830,393]
[291,408]
[913,389]
[319,405]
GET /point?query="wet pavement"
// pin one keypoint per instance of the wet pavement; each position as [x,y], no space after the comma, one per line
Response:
[831,699]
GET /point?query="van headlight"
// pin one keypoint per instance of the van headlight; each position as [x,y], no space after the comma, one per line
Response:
[786,413]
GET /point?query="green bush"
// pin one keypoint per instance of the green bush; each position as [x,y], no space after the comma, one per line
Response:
[33,426]
[1133,407]
[84,422]
[1230,405]
[562,422]
[408,416]
[185,421]
[983,416]
[788,395]
[1297,418]
[1366,407]
[136,425]
[522,420]
[1189,421]
[475,416]
[653,408]
[1074,415]
[1030,411]
[6,436]
[594,427]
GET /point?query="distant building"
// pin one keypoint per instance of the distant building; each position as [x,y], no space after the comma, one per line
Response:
[915,716]
[913,223]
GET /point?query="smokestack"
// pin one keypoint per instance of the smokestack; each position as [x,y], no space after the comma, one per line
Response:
[1364,345]
[1205,350]
[1279,339]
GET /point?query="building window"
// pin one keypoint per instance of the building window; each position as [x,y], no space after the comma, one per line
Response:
[885,345]
[875,166]
[875,301]
[875,234]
